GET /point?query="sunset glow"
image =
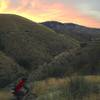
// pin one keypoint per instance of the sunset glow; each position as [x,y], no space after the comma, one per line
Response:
[74,11]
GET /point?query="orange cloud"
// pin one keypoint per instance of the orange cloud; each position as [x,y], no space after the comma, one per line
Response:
[73,15]
[41,10]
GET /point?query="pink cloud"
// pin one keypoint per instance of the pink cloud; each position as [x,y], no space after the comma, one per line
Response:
[42,10]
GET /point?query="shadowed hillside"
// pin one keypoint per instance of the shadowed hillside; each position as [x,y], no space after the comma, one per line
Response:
[29,43]
[9,70]
[85,61]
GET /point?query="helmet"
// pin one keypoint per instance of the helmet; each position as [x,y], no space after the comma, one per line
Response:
[24,78]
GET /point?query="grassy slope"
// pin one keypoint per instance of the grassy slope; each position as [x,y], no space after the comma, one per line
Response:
[25,41]
[9,70]
[81,61]
[31,44]
[85,61]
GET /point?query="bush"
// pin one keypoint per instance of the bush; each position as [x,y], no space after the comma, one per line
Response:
[79,88]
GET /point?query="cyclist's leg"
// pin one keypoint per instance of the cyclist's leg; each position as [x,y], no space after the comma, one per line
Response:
[19,96]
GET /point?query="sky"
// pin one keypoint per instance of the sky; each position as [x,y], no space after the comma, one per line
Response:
[83,12]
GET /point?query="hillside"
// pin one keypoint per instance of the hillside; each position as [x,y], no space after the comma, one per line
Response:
[79,61]
[50,50]
[32,45]
[84,61]
[9,70]
[78,32]
[29,43]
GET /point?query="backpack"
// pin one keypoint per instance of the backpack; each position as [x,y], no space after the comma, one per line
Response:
[20,87]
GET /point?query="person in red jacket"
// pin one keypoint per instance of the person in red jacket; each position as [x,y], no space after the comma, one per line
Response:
[20,89]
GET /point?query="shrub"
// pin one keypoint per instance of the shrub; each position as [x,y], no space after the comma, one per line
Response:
[79,88]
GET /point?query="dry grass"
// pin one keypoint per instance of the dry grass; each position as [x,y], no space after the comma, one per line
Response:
[53,86]
[5,95]
[93,78]
[93,97]
[41,87]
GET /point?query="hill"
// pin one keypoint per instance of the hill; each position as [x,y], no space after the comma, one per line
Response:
[45,52]
[29,43]
[9,70]
[52,50]
[79,32]
[79,61]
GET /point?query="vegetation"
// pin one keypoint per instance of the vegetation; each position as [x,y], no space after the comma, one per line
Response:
[75,88]
[78,32]
[5,95]
[62,62]
[9,70]
[27,41]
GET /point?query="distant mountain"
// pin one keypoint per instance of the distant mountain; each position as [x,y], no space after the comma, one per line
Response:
[79,32]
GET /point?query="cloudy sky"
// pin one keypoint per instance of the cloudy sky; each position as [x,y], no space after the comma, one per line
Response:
[84,12]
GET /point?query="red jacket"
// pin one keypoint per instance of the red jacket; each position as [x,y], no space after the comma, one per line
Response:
[19,86]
